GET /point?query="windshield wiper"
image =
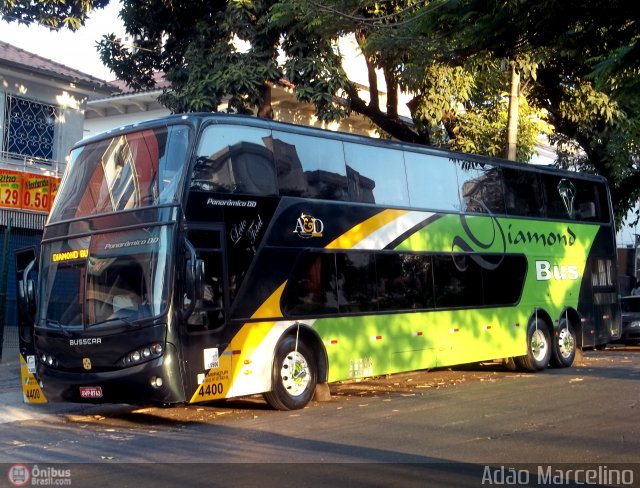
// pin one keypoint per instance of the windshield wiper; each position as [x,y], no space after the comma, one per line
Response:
[104,323]
[54,324]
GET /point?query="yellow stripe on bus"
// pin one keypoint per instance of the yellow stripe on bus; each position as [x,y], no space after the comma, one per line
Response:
[364,229]
[271,306]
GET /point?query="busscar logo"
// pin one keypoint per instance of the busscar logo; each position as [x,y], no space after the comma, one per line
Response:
[308,226]
[85,342]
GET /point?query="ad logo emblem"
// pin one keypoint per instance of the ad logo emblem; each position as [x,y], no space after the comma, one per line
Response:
[308,226]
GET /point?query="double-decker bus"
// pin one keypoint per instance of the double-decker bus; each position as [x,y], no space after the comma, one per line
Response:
[209,256]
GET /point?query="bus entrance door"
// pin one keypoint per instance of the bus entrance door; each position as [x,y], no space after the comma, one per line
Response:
[208,366]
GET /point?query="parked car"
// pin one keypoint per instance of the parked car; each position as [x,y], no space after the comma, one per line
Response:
[630,320]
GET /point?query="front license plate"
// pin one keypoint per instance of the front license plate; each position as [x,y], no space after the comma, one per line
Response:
[90,392]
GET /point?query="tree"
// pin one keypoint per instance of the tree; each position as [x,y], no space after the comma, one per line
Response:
[52,14]
[445,94]
[578,64]
[587,74]
[234,50]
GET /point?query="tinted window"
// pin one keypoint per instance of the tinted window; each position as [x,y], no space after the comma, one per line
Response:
[309,166]
[567,198]
[630,304]
[233,159]
[602,273]
[503,284]
[522,193]
[432,182]
[458,281]
[480,187]
[312,286]
[405,281]
[376,175]
[356,282]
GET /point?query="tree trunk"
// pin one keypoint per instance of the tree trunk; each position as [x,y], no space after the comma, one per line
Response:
[265,111]
[512,121]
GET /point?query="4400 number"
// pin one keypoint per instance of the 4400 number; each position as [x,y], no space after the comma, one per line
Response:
[211,389]
[33,394]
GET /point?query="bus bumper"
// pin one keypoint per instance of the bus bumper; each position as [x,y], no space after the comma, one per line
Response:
[136,385]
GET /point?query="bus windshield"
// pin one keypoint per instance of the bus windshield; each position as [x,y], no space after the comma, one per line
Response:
[107,279]
[128,171]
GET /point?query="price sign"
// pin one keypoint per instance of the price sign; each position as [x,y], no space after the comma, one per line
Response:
[10,188]
[35,192]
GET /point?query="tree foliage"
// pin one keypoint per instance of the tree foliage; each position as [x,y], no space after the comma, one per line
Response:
[586,74]
[579,65]
[54,14]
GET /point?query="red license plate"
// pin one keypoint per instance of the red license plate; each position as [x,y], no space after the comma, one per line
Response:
[90,392]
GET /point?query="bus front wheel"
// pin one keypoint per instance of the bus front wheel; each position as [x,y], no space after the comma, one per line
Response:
[538,347]
[294,375]
[564,345]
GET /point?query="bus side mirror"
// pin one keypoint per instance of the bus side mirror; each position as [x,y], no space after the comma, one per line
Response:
[30,295]
[26,276]
[27,290]
[199,279]
[194,279]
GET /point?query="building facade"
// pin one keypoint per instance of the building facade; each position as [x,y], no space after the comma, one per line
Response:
[42,107]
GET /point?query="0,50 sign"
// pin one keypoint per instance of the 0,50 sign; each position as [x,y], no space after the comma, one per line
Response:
[35,194]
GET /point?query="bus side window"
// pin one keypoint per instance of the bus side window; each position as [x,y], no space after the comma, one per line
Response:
[312,287]
[522,193]
[244,168]
[291,178]
[310,166]
[381,175]
[480,187]
[432,182]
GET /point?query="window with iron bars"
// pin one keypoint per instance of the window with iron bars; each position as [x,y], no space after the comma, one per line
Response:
[29,129]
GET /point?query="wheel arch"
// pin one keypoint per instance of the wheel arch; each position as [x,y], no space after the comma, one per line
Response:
[572,315]
[542,314]
[311,338]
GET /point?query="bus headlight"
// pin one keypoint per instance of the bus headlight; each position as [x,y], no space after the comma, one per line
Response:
[48,360]
[142,354]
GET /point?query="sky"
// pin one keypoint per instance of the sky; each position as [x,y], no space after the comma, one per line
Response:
[73,49]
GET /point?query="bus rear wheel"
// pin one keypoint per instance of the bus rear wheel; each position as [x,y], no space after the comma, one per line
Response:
[294,376]
[564,345]
[538,347]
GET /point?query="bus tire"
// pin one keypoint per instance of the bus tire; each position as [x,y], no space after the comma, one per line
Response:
[294,376]
[538,347]
[564,345]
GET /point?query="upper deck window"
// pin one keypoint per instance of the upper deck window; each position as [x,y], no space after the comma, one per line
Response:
[234,159]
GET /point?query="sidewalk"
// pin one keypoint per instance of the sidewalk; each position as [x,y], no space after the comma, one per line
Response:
[10,346]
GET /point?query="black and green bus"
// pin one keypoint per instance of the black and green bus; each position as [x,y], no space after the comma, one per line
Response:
[209,256]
